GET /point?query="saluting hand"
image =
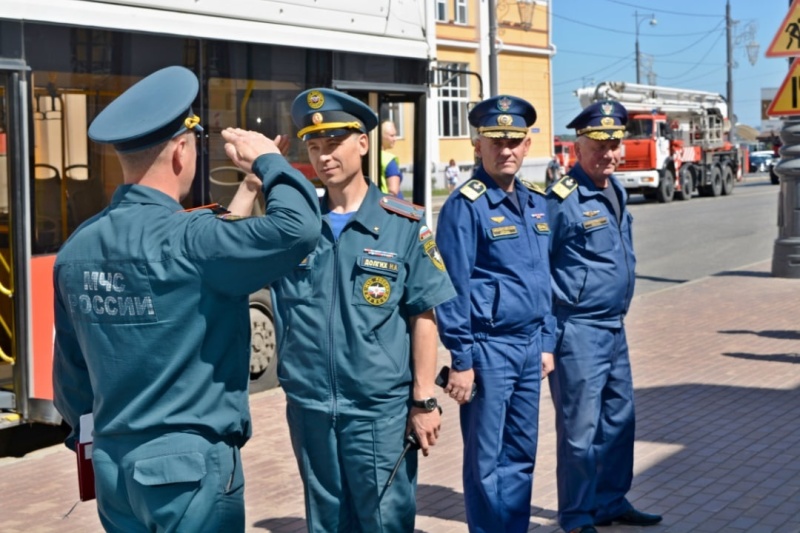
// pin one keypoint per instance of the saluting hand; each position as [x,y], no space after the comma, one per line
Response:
[243,146]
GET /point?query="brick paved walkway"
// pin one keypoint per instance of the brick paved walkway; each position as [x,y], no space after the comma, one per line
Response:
[717,373]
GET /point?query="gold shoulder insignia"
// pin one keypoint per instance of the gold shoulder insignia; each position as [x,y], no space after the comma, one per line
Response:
[533,187]
[473,189]
[564,187]
[402,208]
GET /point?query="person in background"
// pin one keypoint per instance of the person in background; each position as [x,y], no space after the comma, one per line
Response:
[593,271]
[493,234]
[553,171]
[451,174]
[391,175]
[357,339]
[151,314]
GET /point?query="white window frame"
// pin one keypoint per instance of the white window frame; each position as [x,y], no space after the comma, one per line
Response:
[441,11]
[461,12]
[453,101]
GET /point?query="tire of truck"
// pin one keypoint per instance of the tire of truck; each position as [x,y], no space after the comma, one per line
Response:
[715,189]
[687,184]
[263,353]
[666,187]
[727,180]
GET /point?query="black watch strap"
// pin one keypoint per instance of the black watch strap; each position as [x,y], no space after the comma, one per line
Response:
[429,404]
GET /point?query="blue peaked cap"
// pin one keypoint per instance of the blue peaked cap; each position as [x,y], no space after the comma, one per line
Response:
[153,110]
[503,117]
[601,121]
[329,113]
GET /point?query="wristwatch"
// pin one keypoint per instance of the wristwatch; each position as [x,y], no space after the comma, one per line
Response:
[429,404]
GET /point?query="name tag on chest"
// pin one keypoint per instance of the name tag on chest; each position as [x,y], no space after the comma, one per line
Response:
[504,232]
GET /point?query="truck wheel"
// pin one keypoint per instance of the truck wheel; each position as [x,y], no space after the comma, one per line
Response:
[715,189]
[263,356]
[650,195]
[727,180]
[687,185]
[666,188]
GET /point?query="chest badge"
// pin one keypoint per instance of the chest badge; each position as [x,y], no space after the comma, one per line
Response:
[498,220]
[590,214]
[376,290]
[537,216]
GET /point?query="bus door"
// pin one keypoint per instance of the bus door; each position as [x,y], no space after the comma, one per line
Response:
[404,106]
[25,384]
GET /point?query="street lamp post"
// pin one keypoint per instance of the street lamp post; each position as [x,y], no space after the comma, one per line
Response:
[653,22]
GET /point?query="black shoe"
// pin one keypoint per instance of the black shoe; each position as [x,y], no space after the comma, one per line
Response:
[583,529]
[632,517]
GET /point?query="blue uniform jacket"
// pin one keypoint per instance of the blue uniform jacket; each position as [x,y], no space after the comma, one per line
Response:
[591,254]
[497,259]
[151,310]
[342,314]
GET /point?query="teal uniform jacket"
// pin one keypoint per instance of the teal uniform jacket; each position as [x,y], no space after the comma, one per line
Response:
[342,313]
[151,308]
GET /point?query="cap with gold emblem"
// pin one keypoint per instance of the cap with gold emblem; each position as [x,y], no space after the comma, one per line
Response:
[503,117]
[154,110]
[330,113]
[601,121]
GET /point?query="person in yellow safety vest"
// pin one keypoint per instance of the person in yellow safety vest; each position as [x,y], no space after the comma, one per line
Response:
[391,176]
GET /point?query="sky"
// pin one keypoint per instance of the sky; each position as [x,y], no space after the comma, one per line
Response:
[595,41]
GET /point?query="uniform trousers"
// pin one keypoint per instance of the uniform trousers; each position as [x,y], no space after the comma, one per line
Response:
[171,483]
[592,391]
[500,431]
[345,463]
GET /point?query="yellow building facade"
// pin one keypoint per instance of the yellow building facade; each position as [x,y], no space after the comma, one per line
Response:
[463,75]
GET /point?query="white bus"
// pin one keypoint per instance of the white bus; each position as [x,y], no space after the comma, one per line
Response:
[63,61]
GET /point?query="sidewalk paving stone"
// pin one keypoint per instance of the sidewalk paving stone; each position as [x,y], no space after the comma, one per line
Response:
[716,366]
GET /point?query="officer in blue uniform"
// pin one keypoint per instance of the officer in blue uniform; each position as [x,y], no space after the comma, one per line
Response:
[593,270]
[493,233]
[356,335]
[152,319]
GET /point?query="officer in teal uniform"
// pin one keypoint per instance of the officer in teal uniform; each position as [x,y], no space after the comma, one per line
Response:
[356,335]
[493,233]
[151,315]
[593,270]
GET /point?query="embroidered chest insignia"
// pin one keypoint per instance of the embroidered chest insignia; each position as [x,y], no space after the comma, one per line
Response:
[589,214]
[376,290]
[497,220]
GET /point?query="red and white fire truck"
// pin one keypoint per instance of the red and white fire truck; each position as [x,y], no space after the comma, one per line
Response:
[677,140]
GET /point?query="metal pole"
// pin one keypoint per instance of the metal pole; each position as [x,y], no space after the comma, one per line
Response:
[786,251]
[729,31]
[636,19]
[492,48]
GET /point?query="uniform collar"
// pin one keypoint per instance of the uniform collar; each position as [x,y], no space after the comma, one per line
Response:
[495,194]
[587,186]
[142,194]
[368,214]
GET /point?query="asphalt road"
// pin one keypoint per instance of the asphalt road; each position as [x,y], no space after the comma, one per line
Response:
[683,241]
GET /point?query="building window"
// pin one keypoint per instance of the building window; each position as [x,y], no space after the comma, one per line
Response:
[453,99]
[441,10]
[461,12]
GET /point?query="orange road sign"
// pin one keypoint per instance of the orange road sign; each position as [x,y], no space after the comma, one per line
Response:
[787,99]
[786,42]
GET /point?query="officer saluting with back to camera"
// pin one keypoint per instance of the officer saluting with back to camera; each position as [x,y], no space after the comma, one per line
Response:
[493,234]
[151,314]
[593,267]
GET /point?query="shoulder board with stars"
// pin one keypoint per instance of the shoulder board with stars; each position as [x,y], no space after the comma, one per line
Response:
[533,187]
[402,208]
[564,187]
[473,189]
